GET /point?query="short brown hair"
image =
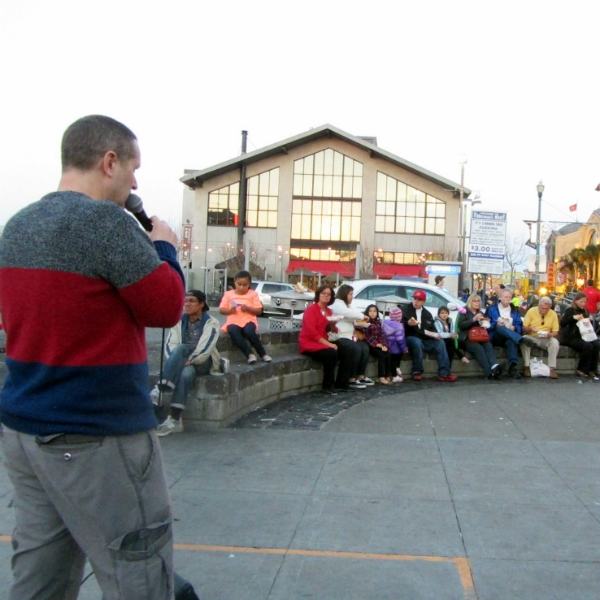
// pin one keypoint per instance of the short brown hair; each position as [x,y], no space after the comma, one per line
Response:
[87,140]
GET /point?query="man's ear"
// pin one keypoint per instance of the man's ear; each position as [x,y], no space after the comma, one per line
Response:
[109,160]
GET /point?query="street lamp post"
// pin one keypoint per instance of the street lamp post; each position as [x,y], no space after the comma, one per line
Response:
[461,240]
[540,191]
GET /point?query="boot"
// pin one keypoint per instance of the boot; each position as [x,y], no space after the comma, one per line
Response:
[513,372]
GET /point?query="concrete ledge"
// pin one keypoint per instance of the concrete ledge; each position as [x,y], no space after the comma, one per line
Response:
[219,401]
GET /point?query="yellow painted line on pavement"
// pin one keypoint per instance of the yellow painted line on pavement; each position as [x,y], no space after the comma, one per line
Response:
[463,566]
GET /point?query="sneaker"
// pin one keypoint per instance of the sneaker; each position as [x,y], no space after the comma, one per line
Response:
[224,364]
[464,360]
[330,391]
[448,378]
[417,377]
[251,359]
[267,358]
[399,372]
[366,381]
[527,341]
[155,396]
[169,425]
[397,379]
[497,370]
[526,372]
[356,385]
[554,374]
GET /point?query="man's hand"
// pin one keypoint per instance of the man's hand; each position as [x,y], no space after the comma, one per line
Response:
[161,232]
[412,322]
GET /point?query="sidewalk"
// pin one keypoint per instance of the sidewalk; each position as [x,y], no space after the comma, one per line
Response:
[477,489]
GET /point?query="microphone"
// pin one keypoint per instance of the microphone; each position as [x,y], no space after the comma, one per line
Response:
[135,206]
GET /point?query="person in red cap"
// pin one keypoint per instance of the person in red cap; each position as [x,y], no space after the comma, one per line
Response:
[422,336]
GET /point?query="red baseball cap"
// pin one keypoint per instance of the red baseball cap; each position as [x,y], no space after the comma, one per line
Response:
[419,295]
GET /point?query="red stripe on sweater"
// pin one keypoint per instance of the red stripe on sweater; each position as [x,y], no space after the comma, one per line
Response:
[65,319]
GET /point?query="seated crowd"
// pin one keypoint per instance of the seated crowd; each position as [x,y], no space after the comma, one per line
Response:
[342,338]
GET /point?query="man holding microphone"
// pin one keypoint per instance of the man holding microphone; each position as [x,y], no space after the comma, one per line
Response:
[79,283]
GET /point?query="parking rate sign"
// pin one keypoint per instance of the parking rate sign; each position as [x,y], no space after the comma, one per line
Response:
[487,243]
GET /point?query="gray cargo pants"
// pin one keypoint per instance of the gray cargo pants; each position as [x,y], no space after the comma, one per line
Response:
[105,498]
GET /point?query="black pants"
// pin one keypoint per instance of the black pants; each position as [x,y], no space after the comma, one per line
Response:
[241,337]
[384,362]
[329,358]
[452,350]
[588,354]
[357,355]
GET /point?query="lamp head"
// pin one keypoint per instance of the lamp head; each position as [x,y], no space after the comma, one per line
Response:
[540,189]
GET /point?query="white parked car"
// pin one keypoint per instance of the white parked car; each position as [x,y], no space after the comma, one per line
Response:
[366,291]
[266,288]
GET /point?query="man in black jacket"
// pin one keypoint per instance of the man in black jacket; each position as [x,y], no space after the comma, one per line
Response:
[422,336]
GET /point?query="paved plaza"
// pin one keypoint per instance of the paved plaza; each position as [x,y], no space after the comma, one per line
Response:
[473,490]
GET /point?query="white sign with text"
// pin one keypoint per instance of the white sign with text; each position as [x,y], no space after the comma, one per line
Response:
[487,243]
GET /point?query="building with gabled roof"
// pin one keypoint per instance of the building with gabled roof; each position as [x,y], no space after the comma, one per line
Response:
[311,199]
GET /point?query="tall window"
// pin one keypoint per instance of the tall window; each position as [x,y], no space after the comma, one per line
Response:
[263,193]
[404,209]
[327,197]
[328,174]
[223,205]
[262,198]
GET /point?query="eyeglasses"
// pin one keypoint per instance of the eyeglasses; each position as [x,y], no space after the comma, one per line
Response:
[543,317]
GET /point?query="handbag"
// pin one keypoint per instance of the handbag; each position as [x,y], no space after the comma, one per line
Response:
[478,335]
[586,330]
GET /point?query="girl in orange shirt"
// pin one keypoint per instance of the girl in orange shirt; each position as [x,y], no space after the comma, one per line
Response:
[242,305]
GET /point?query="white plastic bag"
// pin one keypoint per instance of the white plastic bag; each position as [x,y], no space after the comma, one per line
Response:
[586,329]
[538,368]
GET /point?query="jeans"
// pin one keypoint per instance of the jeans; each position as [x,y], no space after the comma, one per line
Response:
[329,358]
[484,354]
[242,335]
[418,347]
[179,376]
[104,498]
[510,340]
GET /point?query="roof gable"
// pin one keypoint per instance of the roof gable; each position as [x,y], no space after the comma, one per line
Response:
[195,179]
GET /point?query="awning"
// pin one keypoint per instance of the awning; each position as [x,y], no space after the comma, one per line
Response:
[346,269]
[388,271]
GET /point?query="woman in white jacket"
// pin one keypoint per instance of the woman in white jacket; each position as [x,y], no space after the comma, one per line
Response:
[357,351]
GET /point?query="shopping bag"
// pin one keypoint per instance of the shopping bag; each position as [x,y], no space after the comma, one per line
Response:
[586,329]
[538,368]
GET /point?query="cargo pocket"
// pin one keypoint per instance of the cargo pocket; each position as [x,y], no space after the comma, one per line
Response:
[143,562]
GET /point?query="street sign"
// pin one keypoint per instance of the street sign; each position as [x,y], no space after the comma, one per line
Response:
[487,242]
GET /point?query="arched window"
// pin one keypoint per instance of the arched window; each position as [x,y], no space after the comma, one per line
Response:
[327,197]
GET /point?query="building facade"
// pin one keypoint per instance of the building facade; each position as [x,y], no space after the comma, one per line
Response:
[322,201]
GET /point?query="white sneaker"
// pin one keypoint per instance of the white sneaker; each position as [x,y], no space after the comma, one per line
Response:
[170,425]
[267,358]
[224,363]
[399,372]
[251,359]
[397,379]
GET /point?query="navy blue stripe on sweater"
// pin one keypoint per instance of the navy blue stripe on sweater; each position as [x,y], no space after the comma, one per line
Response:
[113,400]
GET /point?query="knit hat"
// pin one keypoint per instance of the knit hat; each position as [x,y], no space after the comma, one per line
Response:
[395,314]
[200,296]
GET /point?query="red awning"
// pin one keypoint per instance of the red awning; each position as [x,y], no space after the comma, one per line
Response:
[388,271]
[325,267]
[348,269]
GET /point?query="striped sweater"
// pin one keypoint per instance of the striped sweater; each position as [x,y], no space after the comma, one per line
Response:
[79,283]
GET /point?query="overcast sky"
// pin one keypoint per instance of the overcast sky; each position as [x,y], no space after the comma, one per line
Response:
[514,86]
